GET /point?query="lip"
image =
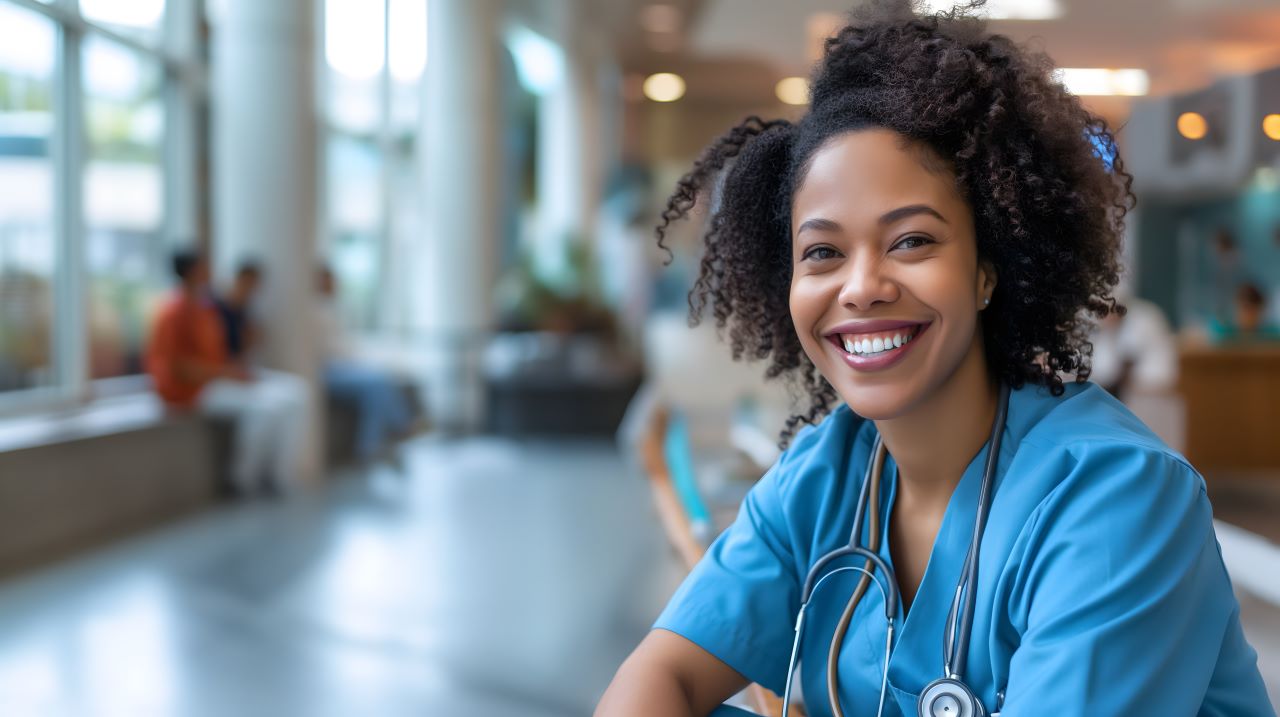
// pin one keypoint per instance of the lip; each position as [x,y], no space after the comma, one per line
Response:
[883,361]
[871,326]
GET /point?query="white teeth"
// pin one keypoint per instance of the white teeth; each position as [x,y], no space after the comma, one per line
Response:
[875,345]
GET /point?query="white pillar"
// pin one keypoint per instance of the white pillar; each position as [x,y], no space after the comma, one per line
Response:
[569,139]
[264,174]
[460,147]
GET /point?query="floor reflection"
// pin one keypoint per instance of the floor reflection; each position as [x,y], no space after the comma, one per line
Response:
[493,579]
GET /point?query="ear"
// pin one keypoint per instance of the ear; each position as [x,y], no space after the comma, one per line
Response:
[986,285]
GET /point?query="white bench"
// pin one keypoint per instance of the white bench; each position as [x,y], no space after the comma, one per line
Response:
[74,479]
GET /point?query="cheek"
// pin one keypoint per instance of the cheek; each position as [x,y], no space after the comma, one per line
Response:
[948,286]
[808,302]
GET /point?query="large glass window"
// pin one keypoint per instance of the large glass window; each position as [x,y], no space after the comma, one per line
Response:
[356,219]
[92,183]
[140,19]
[375,53]
[123,201]
[28,242]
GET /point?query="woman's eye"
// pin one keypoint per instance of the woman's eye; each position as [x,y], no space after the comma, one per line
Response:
[820,252]
[914,241]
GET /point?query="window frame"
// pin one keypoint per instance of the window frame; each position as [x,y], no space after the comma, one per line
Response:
[387,138]
[179,54]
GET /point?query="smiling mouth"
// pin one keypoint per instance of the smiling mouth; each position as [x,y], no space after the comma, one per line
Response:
[876,343]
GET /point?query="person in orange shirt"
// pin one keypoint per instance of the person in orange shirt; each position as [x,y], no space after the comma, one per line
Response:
[189,365]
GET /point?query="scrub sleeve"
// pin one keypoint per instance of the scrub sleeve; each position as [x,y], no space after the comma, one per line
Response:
[739,603]
[1121,597]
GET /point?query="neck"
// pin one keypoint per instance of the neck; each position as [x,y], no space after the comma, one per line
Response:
[934,442]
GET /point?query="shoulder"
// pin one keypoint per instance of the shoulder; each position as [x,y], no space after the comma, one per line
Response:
[1086,471]
[1089,473]
[806,494]
[1102,507]
[822,451]
[1092,436]
[170,311]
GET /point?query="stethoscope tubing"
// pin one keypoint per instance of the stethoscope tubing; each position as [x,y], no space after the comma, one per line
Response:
[954,667]
[795,644]
[959,616]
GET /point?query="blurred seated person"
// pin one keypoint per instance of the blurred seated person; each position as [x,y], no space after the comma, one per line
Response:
[1135,352]
[234,307]
[189,364]
[1249,322]
[383,413]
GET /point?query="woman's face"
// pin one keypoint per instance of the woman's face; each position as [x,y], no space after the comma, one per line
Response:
[886,285]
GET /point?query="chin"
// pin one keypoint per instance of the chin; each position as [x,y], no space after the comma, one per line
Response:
[880,402]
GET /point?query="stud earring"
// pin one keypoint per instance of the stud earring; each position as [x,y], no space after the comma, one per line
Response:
[986,301]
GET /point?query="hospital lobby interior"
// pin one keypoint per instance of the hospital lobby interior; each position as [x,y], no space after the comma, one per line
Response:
[469,443]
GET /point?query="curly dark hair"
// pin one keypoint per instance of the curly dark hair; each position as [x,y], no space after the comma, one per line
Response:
[1025,154]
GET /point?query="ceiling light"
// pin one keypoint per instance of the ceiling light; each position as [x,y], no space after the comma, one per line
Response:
[1101,81]
[1004,9]
[793,90]
[1192,125]
[664,87]
[1271,126]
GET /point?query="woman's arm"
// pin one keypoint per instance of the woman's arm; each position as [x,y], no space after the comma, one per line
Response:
[669,675]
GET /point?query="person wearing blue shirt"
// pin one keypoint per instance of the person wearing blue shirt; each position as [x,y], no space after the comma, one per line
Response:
[922,254]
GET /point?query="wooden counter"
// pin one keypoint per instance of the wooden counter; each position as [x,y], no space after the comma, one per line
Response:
[1232,396]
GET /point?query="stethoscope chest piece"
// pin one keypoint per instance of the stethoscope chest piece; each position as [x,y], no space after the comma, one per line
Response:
[949,698]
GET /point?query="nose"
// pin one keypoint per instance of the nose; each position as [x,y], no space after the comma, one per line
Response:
[867,283]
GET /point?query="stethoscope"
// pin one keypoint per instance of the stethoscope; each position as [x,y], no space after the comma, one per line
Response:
[947,696]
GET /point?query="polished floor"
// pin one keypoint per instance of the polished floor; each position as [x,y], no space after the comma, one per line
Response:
[500,579]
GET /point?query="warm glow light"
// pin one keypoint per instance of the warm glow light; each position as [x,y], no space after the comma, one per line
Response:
[1101,81]
[1271,126]
[793,90]
[664,87]
[1192,125]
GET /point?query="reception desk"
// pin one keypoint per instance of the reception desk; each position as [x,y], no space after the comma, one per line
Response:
[1232,396]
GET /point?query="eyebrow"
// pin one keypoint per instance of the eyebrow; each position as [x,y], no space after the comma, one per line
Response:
[910,210]
[889,217]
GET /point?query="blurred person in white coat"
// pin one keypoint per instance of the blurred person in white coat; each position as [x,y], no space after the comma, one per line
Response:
[1135,354]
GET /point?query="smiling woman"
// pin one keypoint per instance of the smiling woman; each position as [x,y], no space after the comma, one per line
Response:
[882,243]
[990,128]
[928,247]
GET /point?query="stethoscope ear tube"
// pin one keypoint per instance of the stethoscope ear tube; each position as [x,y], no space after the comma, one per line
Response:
[804,606]
[891,593]
[954,667]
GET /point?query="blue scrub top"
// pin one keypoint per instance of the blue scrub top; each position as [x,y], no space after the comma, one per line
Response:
[1100,591]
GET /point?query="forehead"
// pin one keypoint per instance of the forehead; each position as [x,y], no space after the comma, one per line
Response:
[863,174]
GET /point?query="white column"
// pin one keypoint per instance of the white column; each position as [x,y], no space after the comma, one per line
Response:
[264,173]
[569,139]
[460,147]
